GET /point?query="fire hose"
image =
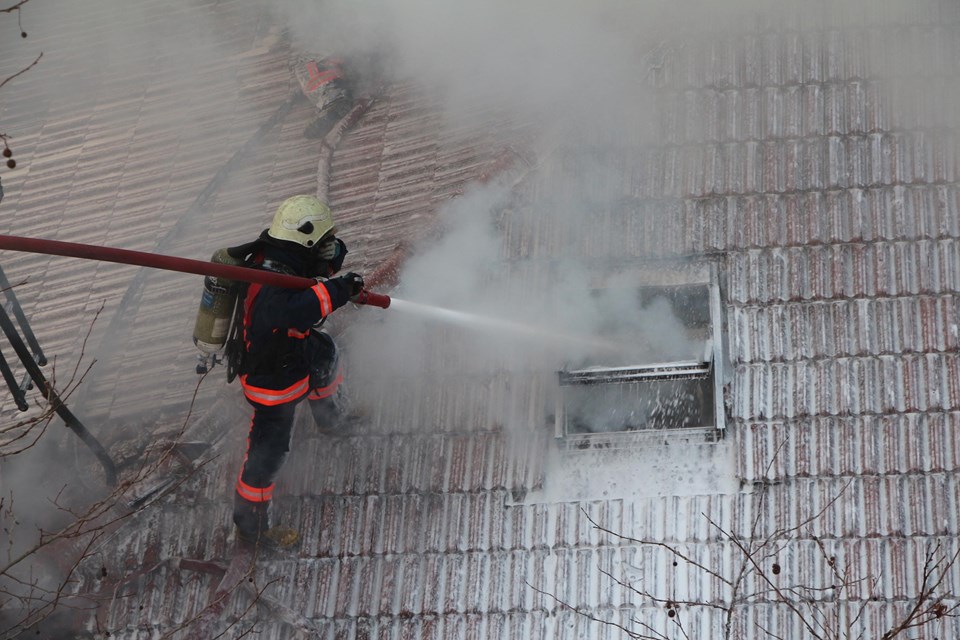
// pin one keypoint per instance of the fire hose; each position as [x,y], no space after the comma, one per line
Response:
[140,258]
[173,263]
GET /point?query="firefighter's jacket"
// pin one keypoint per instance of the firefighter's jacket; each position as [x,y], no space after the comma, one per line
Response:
[276,324]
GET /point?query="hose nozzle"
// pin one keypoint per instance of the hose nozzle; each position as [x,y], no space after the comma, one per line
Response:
[372,299]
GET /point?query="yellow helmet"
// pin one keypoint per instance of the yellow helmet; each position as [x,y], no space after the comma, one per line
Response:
[302,219]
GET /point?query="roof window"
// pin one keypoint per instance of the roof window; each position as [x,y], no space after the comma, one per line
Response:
[667,378]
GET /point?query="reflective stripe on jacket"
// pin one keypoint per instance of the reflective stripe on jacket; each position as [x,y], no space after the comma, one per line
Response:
[276,323]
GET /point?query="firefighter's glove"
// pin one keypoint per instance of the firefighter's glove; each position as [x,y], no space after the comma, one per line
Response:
[328,257]
[355,282]
[330,248]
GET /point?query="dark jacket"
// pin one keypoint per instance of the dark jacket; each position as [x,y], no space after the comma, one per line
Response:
[276,323]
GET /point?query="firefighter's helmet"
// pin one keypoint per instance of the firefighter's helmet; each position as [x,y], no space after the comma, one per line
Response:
[302,219]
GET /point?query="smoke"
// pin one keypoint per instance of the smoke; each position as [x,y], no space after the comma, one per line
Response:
[116,79]
[517,319]
[535,58]
[563,60]
[596,78]
[591,76]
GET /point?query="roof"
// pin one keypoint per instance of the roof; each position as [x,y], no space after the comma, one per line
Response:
[796,157]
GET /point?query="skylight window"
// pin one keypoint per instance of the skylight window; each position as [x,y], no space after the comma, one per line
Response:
[667,378]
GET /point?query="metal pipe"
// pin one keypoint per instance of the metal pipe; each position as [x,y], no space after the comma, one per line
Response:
[18,394]
[17,311]
[56,403]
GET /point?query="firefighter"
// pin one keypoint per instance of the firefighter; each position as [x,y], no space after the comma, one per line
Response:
[334,84]
[324,82]
[286,357]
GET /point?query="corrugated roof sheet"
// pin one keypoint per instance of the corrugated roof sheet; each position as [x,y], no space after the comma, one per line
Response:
[828,202]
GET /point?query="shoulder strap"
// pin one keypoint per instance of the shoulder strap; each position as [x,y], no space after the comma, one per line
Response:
[234,349]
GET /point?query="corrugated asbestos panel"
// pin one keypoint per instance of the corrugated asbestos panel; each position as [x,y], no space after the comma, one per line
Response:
[748,195]
[832,205]
[908,443]
[847,327]
[842,386]
[803,111]
[124,172]
[340,589]
[849,507]
[873,621]
[779,164]
[618,584]
[812,273]
[833,216]
[402,161]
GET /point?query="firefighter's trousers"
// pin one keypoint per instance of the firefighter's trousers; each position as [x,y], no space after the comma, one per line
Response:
[271,428]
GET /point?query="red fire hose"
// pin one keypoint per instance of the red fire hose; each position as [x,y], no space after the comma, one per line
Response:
[172,263]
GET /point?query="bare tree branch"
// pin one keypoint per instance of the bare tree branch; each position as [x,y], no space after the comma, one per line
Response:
[93,523]
[21,72]
[29,426]
[15,7]
[590,616]
[926,607]
[654,543]
[831,610]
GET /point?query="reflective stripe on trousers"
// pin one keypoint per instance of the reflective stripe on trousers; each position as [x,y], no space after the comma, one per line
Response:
[325,392]
[267,446]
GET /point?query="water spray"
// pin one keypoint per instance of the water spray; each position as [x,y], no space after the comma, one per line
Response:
[500,325]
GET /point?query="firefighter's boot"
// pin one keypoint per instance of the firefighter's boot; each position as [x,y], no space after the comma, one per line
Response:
[252,520]
[253,527]
[326,414]
[333,415]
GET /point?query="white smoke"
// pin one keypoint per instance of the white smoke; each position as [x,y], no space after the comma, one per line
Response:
[588,74]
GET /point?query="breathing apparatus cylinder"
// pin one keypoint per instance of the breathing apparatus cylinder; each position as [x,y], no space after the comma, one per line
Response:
[216,307]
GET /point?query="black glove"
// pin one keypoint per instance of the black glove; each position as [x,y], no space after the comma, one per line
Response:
[354,281]
[337,261]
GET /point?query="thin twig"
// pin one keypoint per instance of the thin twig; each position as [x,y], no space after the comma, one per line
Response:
[98,519]
[22,71]
[590,616]
[925,609]
[654,543]
[14,7]
[748,556]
